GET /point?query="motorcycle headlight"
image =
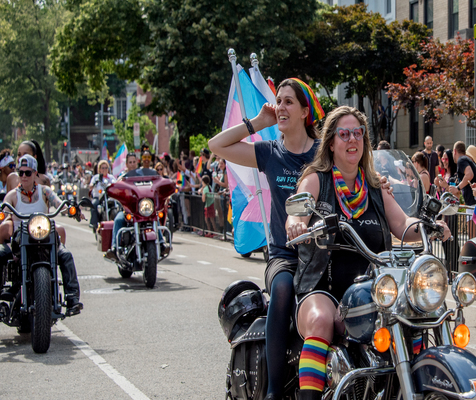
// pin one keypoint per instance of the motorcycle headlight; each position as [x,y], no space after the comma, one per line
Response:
[39,227]
[69,188]
[146,207]
[384,290]
[464,289]
[75,187]
[52,187]
[63,187]
[427,284]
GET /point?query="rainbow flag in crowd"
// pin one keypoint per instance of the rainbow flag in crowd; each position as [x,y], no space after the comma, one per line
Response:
[248,227]
[180,179]
[199,166]
[271,85]
[120,160]
[105,152]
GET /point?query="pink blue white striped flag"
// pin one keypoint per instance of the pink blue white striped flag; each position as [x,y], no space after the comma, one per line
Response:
[247,222]
[120,160]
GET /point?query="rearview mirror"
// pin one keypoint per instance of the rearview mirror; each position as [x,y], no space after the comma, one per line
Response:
[300,205]
[450,204]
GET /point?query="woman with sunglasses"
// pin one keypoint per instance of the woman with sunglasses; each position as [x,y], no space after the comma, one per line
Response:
[98,184]
[146,159]
[161,170]
[342,180]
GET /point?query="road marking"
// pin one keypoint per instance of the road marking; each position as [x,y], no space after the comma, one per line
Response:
[254,278]
[112,373]
[204,262]
[180,255]
[91,276]
[76,227]
[228,270]
[206,244]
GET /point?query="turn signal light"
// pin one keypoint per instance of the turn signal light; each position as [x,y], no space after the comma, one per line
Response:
[62,193]
[74,193]
[2,216]
[100,191]
[161,214]
[72,210]
[382,340]
[129,217]
[461,336]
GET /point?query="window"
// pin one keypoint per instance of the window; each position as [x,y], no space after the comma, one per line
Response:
[414,127]
[453,15]
[389,6]
[414,11]
[472,13]
[428,13]
[121,108]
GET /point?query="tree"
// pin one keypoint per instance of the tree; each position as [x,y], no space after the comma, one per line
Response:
[442,83]
[177,49]
[125,131]
[27,88]
[348,45]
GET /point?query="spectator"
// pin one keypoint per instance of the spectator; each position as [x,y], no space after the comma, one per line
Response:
[440,149]
[466,171]
[432,157]
[161,169]
[420,162]
[443,182]
[383,145]
[208,199]
[7,166]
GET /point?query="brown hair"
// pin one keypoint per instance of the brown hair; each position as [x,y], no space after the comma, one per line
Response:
[324,158]
[460,147]
[311,130]
[421,159]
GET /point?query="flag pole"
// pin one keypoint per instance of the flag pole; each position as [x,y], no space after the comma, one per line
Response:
[232,59]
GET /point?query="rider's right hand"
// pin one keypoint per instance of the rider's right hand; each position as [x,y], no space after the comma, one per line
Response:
[296,229]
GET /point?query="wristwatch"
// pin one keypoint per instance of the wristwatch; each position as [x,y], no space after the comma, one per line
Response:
[457,187]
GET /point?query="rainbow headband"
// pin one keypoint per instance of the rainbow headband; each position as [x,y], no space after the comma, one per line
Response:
[315,110]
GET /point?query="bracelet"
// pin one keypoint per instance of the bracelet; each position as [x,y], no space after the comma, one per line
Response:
[247,122]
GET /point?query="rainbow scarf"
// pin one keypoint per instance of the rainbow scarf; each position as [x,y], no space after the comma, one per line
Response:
[180,180]
[315,110]
[199,166]
[351,204]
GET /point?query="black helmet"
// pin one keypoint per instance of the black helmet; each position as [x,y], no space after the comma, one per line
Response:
[241,303]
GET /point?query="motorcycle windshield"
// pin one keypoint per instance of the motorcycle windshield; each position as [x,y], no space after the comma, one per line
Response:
[403,177]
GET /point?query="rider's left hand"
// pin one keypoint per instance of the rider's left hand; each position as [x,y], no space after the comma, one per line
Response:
[447,232]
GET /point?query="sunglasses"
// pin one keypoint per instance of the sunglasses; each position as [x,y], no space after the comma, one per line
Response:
[26,173]
[344,134]
[147,158]
[12,166]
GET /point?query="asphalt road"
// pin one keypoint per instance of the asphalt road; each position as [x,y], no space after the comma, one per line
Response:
[130,341]
[136,343]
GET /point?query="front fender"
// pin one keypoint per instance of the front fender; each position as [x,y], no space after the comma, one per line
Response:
[149,236]
[447,368]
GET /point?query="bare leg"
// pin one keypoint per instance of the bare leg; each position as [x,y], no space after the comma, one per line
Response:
[62,233]
[6,231]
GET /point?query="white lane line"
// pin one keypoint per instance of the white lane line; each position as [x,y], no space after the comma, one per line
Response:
[204,262]
[180,256]
[254,278]
[206,244]
[228,270]
[112,373]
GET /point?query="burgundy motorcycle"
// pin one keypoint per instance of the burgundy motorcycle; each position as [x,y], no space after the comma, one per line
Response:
[144,196]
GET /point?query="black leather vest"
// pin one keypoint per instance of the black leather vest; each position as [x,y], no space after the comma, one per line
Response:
[312,260]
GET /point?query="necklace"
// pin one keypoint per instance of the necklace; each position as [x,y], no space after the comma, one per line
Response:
[307,137]
[28,193]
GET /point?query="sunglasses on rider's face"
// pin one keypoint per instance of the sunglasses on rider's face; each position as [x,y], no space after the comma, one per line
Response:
[11,166]
[146,158]
[344,134]
[26,173]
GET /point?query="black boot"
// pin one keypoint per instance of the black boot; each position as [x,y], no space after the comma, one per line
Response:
[310,395]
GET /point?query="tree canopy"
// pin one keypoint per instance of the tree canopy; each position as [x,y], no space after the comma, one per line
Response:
[177,49]
[27,88]
[441,83]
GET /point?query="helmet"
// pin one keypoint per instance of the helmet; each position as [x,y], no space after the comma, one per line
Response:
[241,303]
[360,311]
[467,257]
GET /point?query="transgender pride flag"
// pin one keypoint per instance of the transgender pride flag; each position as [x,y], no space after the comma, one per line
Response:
[120,160]
[247,222]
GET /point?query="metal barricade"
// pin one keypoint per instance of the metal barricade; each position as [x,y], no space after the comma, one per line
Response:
[192,214]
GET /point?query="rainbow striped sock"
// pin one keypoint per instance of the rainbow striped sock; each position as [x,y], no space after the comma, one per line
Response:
[417,342]
[312,364]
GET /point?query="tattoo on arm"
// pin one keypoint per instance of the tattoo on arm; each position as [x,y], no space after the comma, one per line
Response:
[51,197]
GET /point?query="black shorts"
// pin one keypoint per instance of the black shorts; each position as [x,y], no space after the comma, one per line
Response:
[275,266]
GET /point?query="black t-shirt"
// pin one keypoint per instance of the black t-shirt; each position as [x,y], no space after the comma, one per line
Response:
[463,162]
[433,162]
[282,169]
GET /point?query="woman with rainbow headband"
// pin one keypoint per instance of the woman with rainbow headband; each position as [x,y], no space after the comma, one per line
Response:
[296,112]
[343,180]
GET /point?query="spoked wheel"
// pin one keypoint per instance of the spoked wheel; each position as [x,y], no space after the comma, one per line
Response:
[150,272]
[40,319]
[435,396]
[125,273]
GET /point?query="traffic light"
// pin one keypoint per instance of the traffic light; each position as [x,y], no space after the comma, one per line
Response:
[110,112]
[96,119]
[65,144]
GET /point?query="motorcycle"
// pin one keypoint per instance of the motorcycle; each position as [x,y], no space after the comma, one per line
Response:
[107,207]
[33,301]
[144,196]
[68,191]
[396,306]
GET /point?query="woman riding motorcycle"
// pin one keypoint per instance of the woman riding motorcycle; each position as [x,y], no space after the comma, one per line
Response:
[28,198]
[99,183]
[342,179]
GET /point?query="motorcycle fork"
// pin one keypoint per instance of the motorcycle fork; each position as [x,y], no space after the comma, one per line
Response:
[24,275]
[401,361]
[106,207]
[138,242]
[154,226]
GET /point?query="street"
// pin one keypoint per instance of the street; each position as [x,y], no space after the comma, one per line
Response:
[130,342]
